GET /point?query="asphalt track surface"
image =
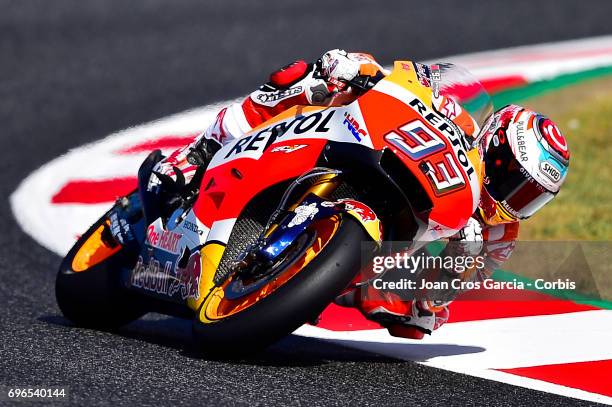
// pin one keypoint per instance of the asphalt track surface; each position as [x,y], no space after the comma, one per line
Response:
[72,72]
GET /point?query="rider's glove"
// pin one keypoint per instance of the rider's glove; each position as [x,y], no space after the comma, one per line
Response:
[337,66]
[202,151]
[468,241]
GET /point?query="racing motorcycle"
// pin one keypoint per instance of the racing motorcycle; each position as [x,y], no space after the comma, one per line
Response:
[271,232]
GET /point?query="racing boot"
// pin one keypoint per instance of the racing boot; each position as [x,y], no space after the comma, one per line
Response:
[410,319]
[151,207]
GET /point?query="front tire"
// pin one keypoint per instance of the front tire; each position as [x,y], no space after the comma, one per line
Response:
[300,299]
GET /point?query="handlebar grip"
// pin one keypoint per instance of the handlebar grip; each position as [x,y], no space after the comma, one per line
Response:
[362,82]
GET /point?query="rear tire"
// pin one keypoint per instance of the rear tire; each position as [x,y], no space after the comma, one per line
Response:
[93,297]
[299,300]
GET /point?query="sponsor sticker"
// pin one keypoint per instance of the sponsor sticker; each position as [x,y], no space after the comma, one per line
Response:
[450,108]
[423,74]
[164,239]
[187,278]
[288,149]
[303,213]
[436,77]
[550,171]
[316,122]
[520,141]
[191,226]
[181,282]
[267,97]
[354,127]
[365,213]
[152,276]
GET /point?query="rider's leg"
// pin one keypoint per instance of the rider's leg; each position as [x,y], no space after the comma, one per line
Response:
[404,318]
[229,125]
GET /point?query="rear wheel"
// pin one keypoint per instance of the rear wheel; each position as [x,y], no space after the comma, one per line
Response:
[247,313]
[87,286]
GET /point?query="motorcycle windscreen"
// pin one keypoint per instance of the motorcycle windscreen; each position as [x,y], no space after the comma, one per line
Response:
[461,97]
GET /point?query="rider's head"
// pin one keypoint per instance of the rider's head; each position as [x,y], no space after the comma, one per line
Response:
[526,160]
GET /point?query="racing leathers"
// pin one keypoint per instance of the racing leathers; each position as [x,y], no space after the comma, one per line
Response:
[299,83]
[415,318]
[324,83]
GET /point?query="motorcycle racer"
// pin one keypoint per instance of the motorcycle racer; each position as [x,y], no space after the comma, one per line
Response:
[525,164]
[525,159]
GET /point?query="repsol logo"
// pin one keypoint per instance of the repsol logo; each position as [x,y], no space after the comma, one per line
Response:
[520,141]
[550,171]
[453,134]
[316,123]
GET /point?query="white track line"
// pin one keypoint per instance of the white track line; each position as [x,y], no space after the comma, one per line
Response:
[477,347]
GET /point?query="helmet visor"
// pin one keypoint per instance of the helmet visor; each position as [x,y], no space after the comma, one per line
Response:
[510,184]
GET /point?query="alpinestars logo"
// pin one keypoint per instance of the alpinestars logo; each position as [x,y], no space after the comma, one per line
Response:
[267,97]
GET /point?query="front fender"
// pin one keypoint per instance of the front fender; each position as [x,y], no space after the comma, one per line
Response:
[366,217]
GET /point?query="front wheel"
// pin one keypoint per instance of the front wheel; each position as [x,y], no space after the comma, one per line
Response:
[249,313]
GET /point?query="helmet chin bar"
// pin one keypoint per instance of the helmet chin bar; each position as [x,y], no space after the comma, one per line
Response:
[491,212]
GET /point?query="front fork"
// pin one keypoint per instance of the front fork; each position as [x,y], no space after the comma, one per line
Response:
[288,222]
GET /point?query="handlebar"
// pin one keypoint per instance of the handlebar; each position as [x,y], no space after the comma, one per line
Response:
[362,83]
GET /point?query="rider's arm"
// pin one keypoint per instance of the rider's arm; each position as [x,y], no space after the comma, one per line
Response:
[299,83]
[493,243]
[499,243]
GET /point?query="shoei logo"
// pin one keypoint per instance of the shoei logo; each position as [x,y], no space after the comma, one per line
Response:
[550,171]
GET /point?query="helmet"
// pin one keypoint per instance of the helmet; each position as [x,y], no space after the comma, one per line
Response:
[526,160]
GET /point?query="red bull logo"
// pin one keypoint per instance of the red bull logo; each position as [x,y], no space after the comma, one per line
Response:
[365,213]
[187,279]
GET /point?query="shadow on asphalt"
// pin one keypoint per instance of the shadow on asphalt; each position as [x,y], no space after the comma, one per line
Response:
[413,351]
[292,350]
